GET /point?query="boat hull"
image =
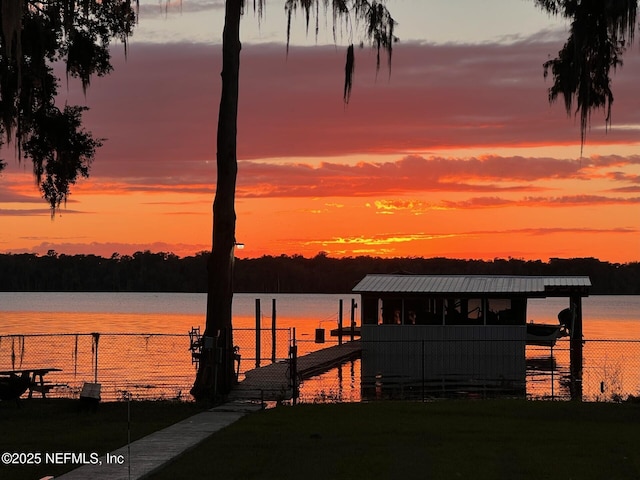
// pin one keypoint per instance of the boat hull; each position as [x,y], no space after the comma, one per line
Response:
[544,335]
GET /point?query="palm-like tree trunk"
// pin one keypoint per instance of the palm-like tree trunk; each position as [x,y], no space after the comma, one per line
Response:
[215,373]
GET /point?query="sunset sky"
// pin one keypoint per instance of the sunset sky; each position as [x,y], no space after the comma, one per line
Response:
[455,152]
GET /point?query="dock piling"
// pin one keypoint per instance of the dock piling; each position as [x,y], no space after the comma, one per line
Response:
[353,318]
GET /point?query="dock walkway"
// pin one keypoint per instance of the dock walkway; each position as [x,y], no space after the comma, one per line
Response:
[151,453]
[271,382]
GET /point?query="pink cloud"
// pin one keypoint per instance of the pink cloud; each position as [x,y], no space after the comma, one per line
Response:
[404,176]
[158,110]
[564,201]
[634,189]
[410,174]
[624,177]
[9,195]
[16,212]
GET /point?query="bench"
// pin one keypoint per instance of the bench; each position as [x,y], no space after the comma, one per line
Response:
[45,387]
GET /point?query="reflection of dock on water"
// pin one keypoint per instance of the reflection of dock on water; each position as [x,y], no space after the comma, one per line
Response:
[273,382]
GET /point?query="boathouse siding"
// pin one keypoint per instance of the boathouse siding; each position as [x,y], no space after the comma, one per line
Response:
[458,355]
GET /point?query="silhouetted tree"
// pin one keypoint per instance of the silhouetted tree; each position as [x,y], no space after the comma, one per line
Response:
[378,29]
[599,35]
[162,272]
[34,35]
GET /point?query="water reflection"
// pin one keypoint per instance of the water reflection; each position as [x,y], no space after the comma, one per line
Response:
[341,384]
[611,372]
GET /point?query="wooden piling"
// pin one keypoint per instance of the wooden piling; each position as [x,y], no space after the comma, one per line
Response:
[353,319]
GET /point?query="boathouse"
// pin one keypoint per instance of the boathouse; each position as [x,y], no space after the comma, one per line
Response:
[460,332]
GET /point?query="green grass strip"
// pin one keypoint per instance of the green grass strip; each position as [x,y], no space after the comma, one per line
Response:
[57,425]
[441,440]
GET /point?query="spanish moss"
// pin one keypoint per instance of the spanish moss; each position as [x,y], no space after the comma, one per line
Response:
[348,73]
[347,16]
[33,35]
[599,35]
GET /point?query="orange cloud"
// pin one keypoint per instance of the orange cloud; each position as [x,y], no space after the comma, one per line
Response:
[414,207]
[379,240]
[391,238]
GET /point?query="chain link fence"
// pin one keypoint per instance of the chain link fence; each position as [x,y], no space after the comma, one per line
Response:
[144,365]
[161,366]
[423,371]
[270,346]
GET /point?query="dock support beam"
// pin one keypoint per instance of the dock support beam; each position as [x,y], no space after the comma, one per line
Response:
[576,348]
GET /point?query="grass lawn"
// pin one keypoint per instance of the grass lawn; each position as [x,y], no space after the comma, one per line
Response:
[57,425]
[507,439]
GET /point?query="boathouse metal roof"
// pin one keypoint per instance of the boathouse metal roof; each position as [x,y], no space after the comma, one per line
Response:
[473,284]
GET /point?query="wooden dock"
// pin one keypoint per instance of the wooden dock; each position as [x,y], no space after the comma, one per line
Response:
[271,382]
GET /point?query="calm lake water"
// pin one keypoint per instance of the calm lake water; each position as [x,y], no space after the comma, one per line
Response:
[606,318]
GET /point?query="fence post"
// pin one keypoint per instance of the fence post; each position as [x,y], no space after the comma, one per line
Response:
[576,348]
[258,353]
[273,330]
[293,368]
[552,375]
[340,323]
[96,338]
[423,360]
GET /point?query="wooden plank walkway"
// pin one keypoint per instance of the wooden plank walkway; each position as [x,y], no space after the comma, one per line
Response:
[271,382]
[151,453]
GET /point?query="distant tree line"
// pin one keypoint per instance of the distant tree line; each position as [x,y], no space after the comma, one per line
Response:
[166,272]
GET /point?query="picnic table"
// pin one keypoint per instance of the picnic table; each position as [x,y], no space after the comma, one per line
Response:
[35,376]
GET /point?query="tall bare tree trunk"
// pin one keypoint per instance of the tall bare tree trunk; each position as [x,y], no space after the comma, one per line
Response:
[216,370]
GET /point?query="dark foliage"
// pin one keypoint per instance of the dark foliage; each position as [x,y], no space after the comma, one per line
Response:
[33,36]
[599,35]
[165,272]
